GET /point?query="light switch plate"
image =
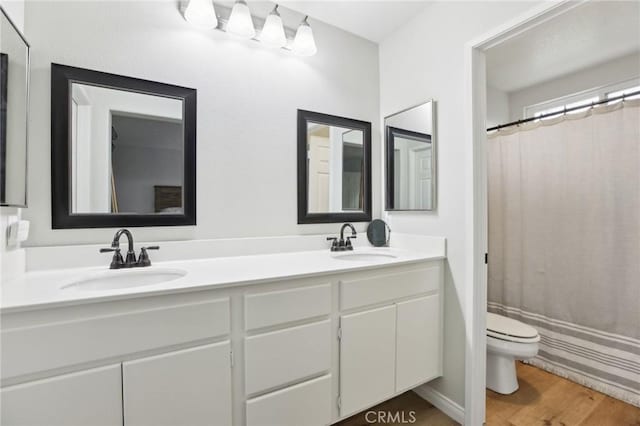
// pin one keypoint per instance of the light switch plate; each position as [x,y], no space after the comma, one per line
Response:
[18,232]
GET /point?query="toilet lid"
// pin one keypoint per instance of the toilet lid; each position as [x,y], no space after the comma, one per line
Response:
[507,328]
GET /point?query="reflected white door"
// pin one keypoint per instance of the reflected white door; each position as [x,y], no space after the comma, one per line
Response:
[422,178]
[318,153]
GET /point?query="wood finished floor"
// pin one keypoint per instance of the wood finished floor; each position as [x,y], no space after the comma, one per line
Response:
[548,400]
[425,413]
[542,400]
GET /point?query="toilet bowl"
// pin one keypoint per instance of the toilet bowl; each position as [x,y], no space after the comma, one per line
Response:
[508,340]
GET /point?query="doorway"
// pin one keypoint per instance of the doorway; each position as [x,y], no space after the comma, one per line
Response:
[477,214]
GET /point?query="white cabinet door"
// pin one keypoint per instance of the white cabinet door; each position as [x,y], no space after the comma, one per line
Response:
[367,358]
[189,387]
[305,404]
[91,397]
[418,356]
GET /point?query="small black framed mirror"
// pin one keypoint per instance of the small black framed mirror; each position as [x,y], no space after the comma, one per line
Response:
[334,169]
[123,151]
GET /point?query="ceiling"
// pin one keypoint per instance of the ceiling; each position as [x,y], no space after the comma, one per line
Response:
[373,20]
[588,35]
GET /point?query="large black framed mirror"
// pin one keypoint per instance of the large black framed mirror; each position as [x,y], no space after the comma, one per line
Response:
[123,151]
[334,169]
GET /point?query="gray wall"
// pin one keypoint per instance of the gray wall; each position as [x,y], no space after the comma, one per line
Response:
[147,153]
[503,107]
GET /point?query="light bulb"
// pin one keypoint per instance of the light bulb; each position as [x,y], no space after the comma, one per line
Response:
[240,22]
[272,34]
[304,44]
[201,14]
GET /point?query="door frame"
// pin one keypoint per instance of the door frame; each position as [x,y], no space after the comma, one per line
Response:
[476,219]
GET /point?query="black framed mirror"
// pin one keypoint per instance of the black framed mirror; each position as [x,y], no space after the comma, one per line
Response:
[334,169]
[123,151]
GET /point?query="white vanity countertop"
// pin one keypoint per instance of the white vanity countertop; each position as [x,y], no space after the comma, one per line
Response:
[43,289]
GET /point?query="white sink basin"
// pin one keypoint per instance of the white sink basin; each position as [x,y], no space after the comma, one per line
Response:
[125,278]
[364,256]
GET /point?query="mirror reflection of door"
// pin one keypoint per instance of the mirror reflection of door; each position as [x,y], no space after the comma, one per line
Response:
[352,167]
[412,178]
[422,178]
[335,164]
[80,150]
[318,160]
[412,170]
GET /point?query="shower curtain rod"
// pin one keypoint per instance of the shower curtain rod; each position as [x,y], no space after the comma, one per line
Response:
[564,111]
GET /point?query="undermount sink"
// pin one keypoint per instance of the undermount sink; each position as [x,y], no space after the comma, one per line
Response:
[127,278]
[364,256]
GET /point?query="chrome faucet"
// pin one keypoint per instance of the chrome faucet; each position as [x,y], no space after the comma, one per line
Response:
[341,244]
[117,262]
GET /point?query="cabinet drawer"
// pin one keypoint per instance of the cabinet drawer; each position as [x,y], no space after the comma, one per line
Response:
[91,397]
[279,307]
[280,357]
[382,288]
[307,404]
[94,338]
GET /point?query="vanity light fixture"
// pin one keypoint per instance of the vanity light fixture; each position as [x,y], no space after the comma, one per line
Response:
[272,34]
[240,22]
[201,14]
[304,44]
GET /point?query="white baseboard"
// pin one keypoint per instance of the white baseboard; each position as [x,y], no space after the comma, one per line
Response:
[441,402]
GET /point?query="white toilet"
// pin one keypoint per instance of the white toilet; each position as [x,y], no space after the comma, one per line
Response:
[507,341]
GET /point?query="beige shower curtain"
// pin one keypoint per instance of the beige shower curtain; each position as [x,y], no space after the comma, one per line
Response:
[564,242]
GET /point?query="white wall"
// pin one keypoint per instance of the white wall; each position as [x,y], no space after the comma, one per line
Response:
[15,10]
[615,71]
[425,59]
[11,258]
[417,119]
[247,102]
[497,107]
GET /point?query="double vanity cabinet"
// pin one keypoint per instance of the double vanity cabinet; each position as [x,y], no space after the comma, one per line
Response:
[302,351]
